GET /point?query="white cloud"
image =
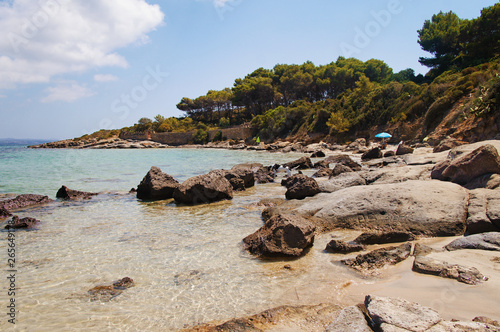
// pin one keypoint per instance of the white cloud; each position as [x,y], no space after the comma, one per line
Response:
[105,78]
[221,3]
[41,39]
[68,92]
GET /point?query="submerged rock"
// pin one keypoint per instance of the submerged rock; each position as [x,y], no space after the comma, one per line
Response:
[468,275]
[202,189]
[300,186]
[282,235]
[342,247]
[24,223]
[156,185]
[379,258]
[70,194]
[107,293]
[24,201]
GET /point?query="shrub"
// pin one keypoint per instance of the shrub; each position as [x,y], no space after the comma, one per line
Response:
[200,137]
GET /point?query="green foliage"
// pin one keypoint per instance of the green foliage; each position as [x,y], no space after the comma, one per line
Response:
[224,122]
[200,137]
[218,136]
[99,135]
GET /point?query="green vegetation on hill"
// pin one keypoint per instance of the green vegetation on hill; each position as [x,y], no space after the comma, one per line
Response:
[349,95]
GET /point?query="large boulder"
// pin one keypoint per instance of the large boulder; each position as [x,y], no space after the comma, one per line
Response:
[240,178]
[484,241]
[379,258]
[70,194]
[202,189]
[156,185]
[372,154]
[301,163]
[264,175]
[345,160]
[467,275]
[403,149]
[484,211]
[432,208]
[24,223]
[300,186]
[448,144]
[465,168]
[24,201]
[281,236]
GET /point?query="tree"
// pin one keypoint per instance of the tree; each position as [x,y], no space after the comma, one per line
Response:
[144,124]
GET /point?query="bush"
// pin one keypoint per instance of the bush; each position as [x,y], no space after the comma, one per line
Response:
[224,123]
[218,136]
[200,137]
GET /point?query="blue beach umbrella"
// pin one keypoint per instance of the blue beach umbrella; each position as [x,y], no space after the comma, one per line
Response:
[383,135]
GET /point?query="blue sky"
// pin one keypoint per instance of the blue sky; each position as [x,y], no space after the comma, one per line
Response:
[70,67]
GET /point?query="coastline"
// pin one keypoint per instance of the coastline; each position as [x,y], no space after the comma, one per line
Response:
[390,281]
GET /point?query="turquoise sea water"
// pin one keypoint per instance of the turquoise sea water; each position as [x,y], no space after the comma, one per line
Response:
[187,261]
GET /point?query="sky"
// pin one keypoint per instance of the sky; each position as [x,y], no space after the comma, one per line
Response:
[71,67]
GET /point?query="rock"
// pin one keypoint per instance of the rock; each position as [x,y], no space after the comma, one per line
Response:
[342,247]
[246,175]
[389,154]
[156,185]
[396,174]
[379,258]
[484,211]
[438,169]
[281,236]
[318,154]
[483,160]
[340,168]
[388,161]
[448,144]
[302,163]
[251,166]
[339,182]
[468,275]
[384,237]
[300,186]
[4,213]
[372,154]
[24,201]
[211,187]
[345,160]
[431,208]
[323,172]
[483,241]
[403,149]
[17,223]
[458,326]
[421,250]
[70,194]
[107,293]
[270,202]
[486,181]
[486,320]
[283,318]
[358,144]
[264,175]
[400,314]
[322,164]
[349,319]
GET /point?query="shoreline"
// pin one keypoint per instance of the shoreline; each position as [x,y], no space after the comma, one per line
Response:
[391,280]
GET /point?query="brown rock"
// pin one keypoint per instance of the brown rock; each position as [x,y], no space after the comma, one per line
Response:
[389,154]
[70,194]
[302,163]
[486,320]
[384,237]
[345,160]
[372,154]
[403,149]
[156,185]
[323,172]
[25,223]
[325,163]
[300,186]
[342,247]
[318,154]
[107,293]
[264,175]
[201,189]
[4,213]
[448,144]
[379,258]
[24,201]
[468,275]
[281,236]
[486,181]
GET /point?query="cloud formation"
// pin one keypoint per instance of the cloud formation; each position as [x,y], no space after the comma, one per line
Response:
[68,92]
[105,78]
[41,39]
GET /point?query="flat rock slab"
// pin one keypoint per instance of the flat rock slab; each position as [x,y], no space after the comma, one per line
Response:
[432,208]
[342,181]
[483,241]
[24,201]
[379,258]
[467,275]
[349,319]
[384,237]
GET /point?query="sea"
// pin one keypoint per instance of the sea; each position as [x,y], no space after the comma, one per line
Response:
[187,262]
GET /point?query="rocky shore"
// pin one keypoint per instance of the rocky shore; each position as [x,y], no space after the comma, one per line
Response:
[395,197]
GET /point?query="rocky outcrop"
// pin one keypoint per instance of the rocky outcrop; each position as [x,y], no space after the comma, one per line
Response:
[342,247]
[318,154]
[107,293]
[350,319]
[283,235]
[156,185]
[345,160]
[24,201]
[486,181]
[240,178]
[4,213]
[70,194]
[431,208]
[465,168]
[448,144]
[403,149]
[24,223]
[342,181]
[384,237]
[484,241]
[301,163]
[323,172]
[264,175]
[300,186]
[372,154]
[396,174]
[203,189]
[379,258]
[483,214]
[468,275]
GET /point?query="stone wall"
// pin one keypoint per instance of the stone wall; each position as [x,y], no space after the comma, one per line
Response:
[235,133]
